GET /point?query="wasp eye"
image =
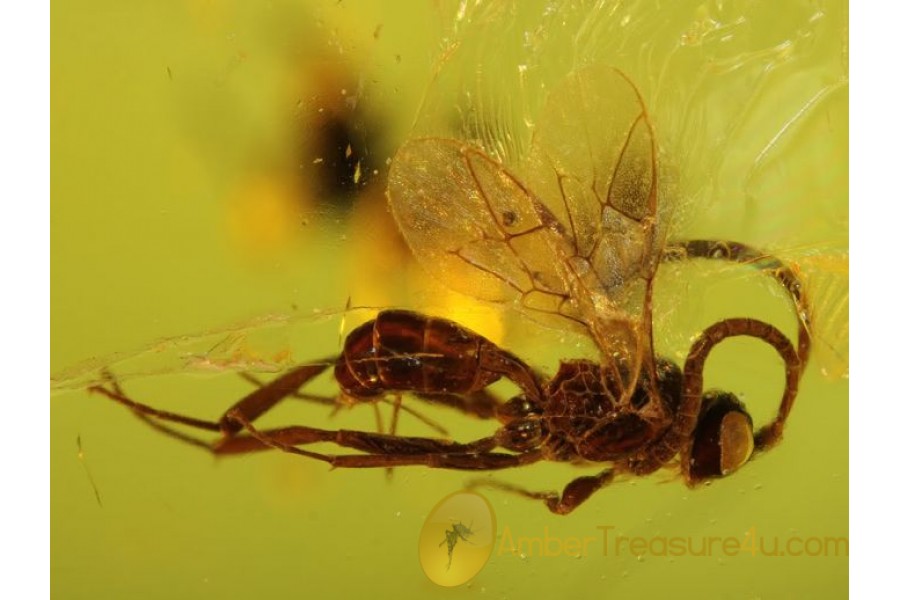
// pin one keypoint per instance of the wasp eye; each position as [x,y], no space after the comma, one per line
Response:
[723,440]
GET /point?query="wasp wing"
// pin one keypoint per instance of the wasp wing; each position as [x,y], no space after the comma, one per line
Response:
[462,212]
[593,162]
[825,273]
[574,242]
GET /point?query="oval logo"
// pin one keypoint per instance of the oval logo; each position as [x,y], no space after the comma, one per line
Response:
[457,538]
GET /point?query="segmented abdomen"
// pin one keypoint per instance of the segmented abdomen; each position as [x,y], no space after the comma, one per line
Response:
[403,350]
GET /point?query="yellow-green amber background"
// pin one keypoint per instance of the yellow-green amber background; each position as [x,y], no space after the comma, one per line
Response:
[170,123]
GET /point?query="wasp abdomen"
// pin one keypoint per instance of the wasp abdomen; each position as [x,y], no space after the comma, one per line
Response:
[402,350]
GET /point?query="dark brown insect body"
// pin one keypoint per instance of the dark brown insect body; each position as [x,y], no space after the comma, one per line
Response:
[575,415]
[578,247]
[572,417]
[576,412]
[403,350]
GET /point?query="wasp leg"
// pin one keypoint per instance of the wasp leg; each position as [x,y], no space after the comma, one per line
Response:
[174,433]
[573,495]
[259,401]
[679,438]
[297,394]
[747,255]
[392,430]
[285,438]
[238,444]
[250,407]
[382,450]
[483,461]
[481,404]
[245,444]
[145,411]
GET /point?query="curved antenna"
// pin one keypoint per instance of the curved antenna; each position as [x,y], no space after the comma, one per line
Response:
[742,254]
[688,411]
[679,438]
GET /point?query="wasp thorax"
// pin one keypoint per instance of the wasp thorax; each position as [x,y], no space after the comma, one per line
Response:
[724,437]
[580,389]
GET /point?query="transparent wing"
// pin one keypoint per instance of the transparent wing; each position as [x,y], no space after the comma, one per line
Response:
[593,162]
[825,274]
[813,282]
[462,211]
[267,344]
[572,243]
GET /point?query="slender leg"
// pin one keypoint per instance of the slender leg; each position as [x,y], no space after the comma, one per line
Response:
[285,438]
[395,416]
[314,398]
[573,495]
[146,412]
[679,438]
[259,401]
[250,407]
[279,437]
[746,255]
[395,451]
[481,404]
[331,401]
[379,422]
[382,450]
[437,427]
[488,461]
[174,433]
[242,413]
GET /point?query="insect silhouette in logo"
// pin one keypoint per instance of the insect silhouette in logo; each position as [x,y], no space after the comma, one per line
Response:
[457,532]
[574,244]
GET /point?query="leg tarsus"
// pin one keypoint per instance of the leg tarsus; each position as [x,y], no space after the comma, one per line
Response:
[148,411]
[178,435]
[573,495]
[481,404]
